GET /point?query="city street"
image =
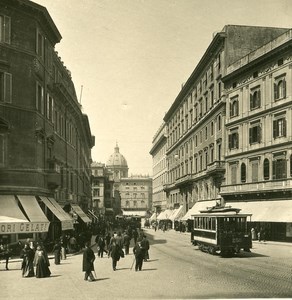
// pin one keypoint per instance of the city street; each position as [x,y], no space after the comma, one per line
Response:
[175,270]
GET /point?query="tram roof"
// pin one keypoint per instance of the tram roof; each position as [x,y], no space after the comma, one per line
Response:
[221,215]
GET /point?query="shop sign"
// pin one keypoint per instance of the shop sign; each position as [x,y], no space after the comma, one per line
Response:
[24,227]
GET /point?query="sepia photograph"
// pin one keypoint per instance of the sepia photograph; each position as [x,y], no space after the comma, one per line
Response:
[145,149]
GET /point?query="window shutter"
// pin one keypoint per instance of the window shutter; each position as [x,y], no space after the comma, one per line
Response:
[284,127]
[284,88]
[259,134]
[274,168]
[237,108]
[236,140]
[230,109]
[230,141]
[284,169]
[259,98]
[275,91]
[7,87]
[275,131]
[7,32]
[250,135]
[250,101]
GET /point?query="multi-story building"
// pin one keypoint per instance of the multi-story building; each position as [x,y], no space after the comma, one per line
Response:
[158,152]
[259,136]
[136,195]
[45,139]
[102,190]
[196,119]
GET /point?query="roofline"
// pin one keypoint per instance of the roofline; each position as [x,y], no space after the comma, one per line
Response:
[219,37]
[45,14]
[159,142]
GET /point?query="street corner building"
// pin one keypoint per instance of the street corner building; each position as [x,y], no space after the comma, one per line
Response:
[45,139]
[227,137]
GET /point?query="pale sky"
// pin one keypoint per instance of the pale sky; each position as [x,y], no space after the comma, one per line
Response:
[132,56]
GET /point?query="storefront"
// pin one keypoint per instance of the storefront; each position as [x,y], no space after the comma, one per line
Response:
[273,218]
[21,217]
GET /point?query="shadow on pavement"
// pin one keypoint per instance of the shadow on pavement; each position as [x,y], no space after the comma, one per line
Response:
[54,276]
[100,279]
[149,270]
[150,260]
[120,269]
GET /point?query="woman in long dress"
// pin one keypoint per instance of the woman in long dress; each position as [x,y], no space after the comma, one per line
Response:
[27,255]
[42,263]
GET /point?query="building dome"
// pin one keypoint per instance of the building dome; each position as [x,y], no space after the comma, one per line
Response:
[117,159]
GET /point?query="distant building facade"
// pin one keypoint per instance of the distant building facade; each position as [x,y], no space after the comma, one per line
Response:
[158,153]
[45,139]
[136,194]
[103,201]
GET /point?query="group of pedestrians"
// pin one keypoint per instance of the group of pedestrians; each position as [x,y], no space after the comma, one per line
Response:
[116,247]
[38,259]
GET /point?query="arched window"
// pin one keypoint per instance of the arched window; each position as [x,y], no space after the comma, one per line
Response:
[212,128]
[266,169]
[243,172]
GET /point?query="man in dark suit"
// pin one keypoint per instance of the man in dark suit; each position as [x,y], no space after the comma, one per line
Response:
[88,260]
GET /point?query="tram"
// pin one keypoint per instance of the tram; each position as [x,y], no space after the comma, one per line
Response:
[221,229]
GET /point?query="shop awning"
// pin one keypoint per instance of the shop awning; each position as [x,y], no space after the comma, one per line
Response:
[165,215]
[197,207]
[37,218]
[92,216]
[266,211]
[139,213]
[177,213]
[77,209]
[13,219]
[153,217]
[57,210]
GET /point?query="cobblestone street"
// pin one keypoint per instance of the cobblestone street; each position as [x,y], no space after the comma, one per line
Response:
[175,270]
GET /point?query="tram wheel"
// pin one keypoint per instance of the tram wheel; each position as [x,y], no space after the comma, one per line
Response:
[211,250]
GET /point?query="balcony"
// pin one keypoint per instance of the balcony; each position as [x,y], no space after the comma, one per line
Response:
[53,180]
[183,180]
[263,186]
[216,168]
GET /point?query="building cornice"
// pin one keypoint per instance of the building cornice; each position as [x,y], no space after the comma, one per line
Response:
[205,60]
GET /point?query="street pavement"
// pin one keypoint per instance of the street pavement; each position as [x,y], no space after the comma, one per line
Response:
[175,270]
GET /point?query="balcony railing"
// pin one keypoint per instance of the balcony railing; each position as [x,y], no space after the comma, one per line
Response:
[257,186]
[216,167]
[183,180]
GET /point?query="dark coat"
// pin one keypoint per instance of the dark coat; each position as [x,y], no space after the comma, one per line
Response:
[126,240]
[88,259]
[115,251]
[139,250]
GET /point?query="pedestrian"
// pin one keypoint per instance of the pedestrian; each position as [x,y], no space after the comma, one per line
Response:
[101,245]
[126,239]
[146,246]
[41,262]
[5,253]
[27,255]
[139,253]
[135,236]
[107,240]
[88,262]
[259,235]
[253,234]
[63,243]
[57,252]
[119,240]
[114,253]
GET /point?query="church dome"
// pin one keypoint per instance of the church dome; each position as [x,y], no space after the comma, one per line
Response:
[117,159]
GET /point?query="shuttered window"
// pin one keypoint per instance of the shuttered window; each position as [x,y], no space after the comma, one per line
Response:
[5,29]
[255,134]
[279,128]
[5,87]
